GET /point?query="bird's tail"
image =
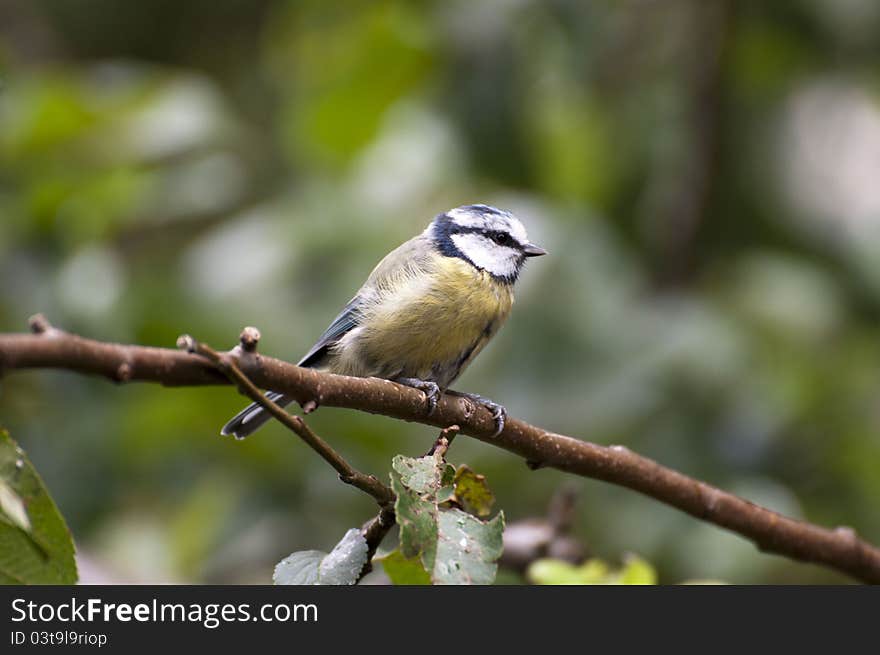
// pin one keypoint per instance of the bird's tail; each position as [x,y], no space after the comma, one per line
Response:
[253,416]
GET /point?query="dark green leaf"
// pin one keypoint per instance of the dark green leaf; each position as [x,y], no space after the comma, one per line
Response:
[417,518]
[35,544]
[405,571]
[12,508]
[447,489]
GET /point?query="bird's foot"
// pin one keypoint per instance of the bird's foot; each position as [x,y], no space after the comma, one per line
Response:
[499,413]
[430,389]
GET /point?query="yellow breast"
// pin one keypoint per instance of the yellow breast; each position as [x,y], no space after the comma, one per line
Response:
[429,326]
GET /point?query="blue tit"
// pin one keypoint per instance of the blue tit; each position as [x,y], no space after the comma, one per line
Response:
[428,308]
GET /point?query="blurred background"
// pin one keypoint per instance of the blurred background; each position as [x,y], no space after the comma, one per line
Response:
[705,174]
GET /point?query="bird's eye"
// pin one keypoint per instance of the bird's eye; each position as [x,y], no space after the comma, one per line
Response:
[502,238]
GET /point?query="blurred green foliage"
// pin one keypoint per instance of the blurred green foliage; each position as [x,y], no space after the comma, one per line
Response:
[703,173]
[635,571]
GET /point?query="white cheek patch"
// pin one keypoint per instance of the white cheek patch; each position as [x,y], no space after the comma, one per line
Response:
[488,255]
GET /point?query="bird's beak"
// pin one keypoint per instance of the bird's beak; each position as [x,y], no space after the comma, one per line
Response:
[531,250]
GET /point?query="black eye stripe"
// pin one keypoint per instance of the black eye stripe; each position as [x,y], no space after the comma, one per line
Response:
[497,236]
[502,239]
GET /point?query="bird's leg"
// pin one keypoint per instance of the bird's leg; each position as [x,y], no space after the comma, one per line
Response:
[430,389]
[499,413]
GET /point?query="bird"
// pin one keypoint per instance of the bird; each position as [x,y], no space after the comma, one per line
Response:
[425,312]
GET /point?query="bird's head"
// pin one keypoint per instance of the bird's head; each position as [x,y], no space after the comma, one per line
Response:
[490,239]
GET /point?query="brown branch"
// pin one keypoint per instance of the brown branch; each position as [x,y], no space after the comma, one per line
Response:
[443,442]
[374,531]
[840,549]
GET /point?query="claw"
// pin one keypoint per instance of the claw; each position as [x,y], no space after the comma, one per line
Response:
[432,395]
[499,413]
[430,389]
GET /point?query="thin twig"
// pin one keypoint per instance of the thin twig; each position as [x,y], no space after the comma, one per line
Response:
[443,442]
[376,529]
[839,549]
[369,484]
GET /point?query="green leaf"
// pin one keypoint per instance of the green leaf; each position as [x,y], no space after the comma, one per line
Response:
[448,477]
[447,481]
[467,549]
[12,508]
[472,492]
[422,475]
[417,518]
[341,566]
[445,546]
[405,571]
[35,543]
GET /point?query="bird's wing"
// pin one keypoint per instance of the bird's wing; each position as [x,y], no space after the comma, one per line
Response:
[346,321]
[406,259]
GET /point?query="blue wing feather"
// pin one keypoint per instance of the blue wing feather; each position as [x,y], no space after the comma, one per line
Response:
[346,321]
